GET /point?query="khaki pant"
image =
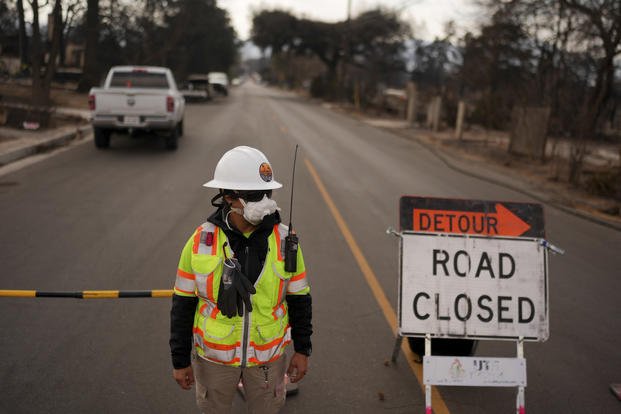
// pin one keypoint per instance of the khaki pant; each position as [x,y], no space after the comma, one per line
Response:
[216,384]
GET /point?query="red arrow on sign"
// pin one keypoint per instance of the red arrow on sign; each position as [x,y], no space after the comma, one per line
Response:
[501,223]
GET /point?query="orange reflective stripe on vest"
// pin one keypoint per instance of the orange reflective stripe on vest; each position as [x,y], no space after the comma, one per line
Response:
[278,243]
[279,305]
[214,250]
[197,239]
[202,248]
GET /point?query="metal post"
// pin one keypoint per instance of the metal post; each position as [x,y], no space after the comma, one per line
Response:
[428,409]
[395,350]
[520,409]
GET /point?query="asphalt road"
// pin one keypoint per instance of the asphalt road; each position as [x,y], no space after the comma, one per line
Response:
[117,219]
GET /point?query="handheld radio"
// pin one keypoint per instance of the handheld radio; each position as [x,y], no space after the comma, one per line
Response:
[291,241]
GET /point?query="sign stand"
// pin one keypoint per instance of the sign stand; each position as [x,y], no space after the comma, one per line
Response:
[428,386]
[476,270]
[395,350]
[520,400]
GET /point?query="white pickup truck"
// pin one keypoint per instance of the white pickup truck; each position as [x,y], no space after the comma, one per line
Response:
[137,98]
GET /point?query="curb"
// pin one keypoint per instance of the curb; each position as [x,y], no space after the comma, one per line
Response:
[43,145]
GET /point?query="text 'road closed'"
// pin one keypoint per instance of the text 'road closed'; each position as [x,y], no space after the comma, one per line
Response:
[473,286]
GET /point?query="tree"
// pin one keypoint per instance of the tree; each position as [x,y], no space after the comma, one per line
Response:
[373,41]
[274,29]
[496,64]
[324,40]
[377,38]
[7,19]
[90,76]
[574,44]
[186,35]
[23,38]
[601,21]
[203,39]
[73,11]
[9,34]
[42,74]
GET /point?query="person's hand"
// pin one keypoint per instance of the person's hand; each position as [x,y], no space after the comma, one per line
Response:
[297,367]
[184,377]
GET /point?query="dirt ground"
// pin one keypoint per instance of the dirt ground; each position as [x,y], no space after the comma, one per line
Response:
[62,95]
[17,92]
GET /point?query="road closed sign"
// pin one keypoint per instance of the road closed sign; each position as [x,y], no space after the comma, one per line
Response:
[472,269]
[473,286]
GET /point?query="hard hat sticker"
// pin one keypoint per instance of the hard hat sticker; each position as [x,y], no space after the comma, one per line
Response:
[265,171]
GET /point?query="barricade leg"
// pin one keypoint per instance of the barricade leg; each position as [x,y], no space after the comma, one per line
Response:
[428,409]
[395,350]
[520,404]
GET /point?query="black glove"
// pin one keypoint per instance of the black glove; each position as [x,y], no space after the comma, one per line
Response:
[235,290]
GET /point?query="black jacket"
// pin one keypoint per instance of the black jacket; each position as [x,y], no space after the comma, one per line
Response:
[251,252]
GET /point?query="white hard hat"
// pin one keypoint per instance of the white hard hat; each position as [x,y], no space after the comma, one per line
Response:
[243,168]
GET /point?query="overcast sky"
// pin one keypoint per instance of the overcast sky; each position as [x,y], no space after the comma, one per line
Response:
[427,17]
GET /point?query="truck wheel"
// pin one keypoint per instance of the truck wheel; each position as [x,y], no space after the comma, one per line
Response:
[102,137]
[180,128]
[171,139]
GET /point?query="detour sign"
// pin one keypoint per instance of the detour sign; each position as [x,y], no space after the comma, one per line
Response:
[477,217]
[472,269]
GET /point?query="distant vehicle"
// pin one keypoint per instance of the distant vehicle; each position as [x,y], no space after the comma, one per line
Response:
[197,88]
[137,98]
[219,82]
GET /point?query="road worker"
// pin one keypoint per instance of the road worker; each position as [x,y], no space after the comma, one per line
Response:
[235,307]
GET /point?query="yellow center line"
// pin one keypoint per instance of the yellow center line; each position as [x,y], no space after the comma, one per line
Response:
[439,407]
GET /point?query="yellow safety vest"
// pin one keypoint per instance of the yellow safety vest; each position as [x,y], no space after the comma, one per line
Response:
[257,337]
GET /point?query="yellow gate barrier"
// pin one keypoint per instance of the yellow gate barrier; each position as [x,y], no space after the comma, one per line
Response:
[89,294]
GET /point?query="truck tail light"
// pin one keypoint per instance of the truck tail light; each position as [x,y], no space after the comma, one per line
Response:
[91,102]
[170,104]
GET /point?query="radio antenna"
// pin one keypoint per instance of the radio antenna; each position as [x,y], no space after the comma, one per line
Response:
[295,157]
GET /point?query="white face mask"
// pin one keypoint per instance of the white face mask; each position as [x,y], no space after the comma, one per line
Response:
[255,211]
